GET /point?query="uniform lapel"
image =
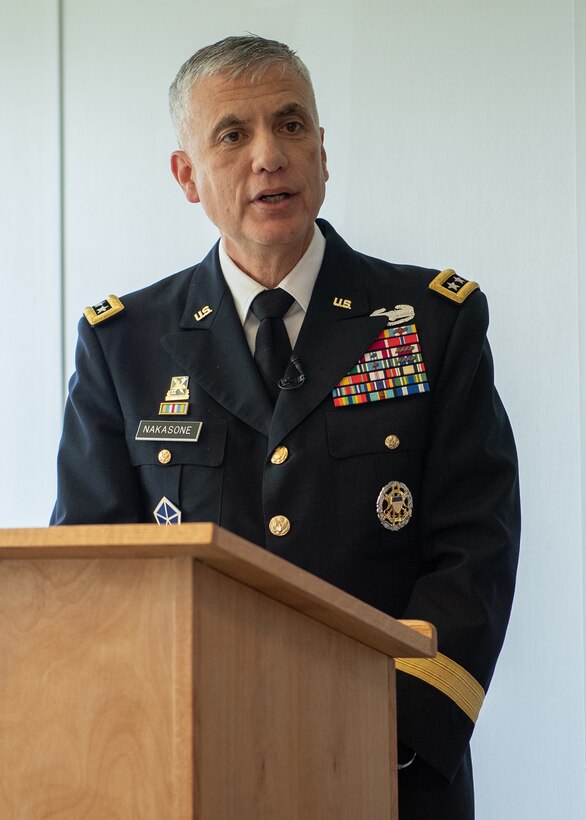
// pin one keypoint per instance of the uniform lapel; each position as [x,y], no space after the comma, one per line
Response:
[336,331]
[212,348]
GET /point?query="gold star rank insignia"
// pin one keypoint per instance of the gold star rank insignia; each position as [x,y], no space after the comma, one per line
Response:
[454,287]
[104,310]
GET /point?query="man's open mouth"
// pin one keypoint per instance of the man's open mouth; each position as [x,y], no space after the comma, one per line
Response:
[274,197]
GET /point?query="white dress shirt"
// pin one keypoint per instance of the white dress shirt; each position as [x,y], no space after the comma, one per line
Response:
[299,283]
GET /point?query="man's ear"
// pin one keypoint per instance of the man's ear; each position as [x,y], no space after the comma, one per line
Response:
[183,171]
[324,158]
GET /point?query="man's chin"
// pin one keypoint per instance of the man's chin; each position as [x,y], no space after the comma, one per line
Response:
[278,233]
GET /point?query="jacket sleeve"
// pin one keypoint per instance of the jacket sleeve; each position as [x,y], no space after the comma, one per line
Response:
[469,538]
[96,482]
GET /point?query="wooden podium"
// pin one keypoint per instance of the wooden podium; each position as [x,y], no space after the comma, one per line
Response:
[181,673]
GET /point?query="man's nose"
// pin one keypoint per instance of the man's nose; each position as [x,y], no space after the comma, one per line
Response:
[268,153]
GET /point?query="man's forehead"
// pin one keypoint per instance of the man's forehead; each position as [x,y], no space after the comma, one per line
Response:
[273,89]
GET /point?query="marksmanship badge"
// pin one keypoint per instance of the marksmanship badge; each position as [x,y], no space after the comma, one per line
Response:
[394,505]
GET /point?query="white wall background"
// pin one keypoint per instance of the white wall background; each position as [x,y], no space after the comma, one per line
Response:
[456,134]
[30,253]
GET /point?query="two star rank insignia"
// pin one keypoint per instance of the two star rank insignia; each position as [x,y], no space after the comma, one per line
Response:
[454,287]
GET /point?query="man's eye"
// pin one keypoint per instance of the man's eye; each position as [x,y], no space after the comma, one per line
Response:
[293,127]
[231,136]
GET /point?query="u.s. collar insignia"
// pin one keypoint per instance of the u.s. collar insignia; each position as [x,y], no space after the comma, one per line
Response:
[201,314]
[104,310]
[454,287]
[399,315]
[394,506]
[166,513]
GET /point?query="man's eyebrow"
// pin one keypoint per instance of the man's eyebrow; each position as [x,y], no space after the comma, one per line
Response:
[292,108]
[229,121]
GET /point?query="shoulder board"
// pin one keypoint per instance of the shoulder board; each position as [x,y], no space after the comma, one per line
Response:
[99,313]
[454,287]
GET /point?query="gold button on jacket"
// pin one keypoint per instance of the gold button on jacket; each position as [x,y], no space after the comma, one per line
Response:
[279,525]
[280,454]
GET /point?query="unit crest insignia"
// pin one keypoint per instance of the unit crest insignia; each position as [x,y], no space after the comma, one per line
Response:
[179,389]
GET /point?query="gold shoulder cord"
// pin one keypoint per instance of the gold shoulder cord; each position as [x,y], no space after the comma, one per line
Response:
[448,677]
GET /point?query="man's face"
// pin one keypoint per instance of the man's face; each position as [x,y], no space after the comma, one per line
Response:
[254,158]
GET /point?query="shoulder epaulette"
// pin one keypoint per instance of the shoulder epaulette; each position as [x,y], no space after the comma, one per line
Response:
[99,313]
[454,287]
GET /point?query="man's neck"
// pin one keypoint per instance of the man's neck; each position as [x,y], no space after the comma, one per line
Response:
[268,265]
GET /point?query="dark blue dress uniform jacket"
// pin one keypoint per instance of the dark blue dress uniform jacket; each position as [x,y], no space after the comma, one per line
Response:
[454,562]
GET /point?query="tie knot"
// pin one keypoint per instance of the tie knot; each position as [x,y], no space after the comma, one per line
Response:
[271,304]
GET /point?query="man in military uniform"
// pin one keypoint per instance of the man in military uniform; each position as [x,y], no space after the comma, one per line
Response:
[336,409]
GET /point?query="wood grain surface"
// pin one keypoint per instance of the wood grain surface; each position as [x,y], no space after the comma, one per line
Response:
[181,673]
[95,690]
[236,558]
[294,721]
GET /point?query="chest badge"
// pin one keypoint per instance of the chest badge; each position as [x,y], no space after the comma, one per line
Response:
[399,315]
[394,506]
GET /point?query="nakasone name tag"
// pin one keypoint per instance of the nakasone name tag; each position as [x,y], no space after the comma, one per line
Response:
[168,430]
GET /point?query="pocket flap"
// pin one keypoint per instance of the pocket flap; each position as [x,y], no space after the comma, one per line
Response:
[355,431]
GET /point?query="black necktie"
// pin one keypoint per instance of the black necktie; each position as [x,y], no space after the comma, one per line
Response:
[272,349]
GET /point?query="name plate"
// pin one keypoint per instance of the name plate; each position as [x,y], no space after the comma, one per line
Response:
[156,430]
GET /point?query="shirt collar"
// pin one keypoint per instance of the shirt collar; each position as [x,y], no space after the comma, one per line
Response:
[299,282]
